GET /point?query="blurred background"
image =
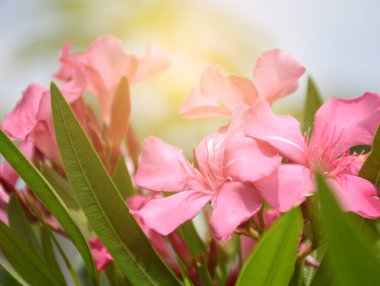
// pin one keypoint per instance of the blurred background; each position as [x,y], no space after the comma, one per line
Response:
[337,41]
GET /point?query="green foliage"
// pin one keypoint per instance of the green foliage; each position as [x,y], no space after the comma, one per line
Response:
[101,202]
[273,259]
[313,102]
[351,253]
[25,261]
[45,192]
[371,167]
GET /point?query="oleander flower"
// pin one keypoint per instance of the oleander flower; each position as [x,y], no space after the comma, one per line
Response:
[228,163]
[104,63]
[275,75]
[339,125]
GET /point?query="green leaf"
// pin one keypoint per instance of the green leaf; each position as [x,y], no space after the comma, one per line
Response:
[351,253]
[44,191]
[48,251]
[297,278]
[323,276]
[66,194]
[122,180]
[116,276]
[16,279]
[190,235]
[31,267]
[313,102]
[204,275]
[186,279]
[20,224]
[101,202]
[273,259]
[371,167]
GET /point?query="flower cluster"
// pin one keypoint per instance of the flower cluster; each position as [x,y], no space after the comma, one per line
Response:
[243,176]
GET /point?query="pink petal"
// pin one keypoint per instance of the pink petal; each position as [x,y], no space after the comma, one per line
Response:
[287,187]
[281,131]
[216,91]
[276,74]
[356,195]
[162,167]
[234,204]
[100,254]
[343,123]
[20,122]
[153,62]
[247,159]
[166,214]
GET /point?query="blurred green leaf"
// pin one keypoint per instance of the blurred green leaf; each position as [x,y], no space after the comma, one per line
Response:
[312,103]
[297,277]
[48,251]
[66,194]
[13,278]
[190,235]
[122,180]
[204,275]
[116,276]
[31,267]
[21,225]
[101,202]
[44,191]
[324,275]
[371,167]
[351,253]
[186,279]
[274,257]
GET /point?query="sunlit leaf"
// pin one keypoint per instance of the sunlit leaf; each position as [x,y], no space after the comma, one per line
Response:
[313,102]
[371,167]
[101,202]
[45,192]
[351,253]
[274,257]
[13,278]
[30,266]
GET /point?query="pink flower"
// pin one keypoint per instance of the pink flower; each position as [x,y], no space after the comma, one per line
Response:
[275,75]
[4,199]
[100,254]
[339,125]
[227,164]
[104,63]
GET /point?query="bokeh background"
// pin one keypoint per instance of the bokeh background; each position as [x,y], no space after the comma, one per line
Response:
[337,41]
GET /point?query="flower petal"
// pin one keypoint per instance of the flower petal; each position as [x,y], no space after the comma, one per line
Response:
[234,204]
[20,122]
[162,167]
[247,159]
[281,131]
[276,74]
[100,254]
[356,195]
[286,187]
[166,214]
[218,95]
[343,123]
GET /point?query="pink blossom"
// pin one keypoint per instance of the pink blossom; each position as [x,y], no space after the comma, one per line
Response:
[339,125]
[275,75]
[228,163]
[104,63]
[100,254]
[4,199]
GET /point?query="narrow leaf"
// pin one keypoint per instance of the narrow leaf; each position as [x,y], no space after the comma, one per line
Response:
[43,190]
[20,224]
[190,235]
[204,275]
[16,279]
[273,259]
[371,167]
[313,102]
[102,204]
[350,252]
[122,180]
[31,267]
